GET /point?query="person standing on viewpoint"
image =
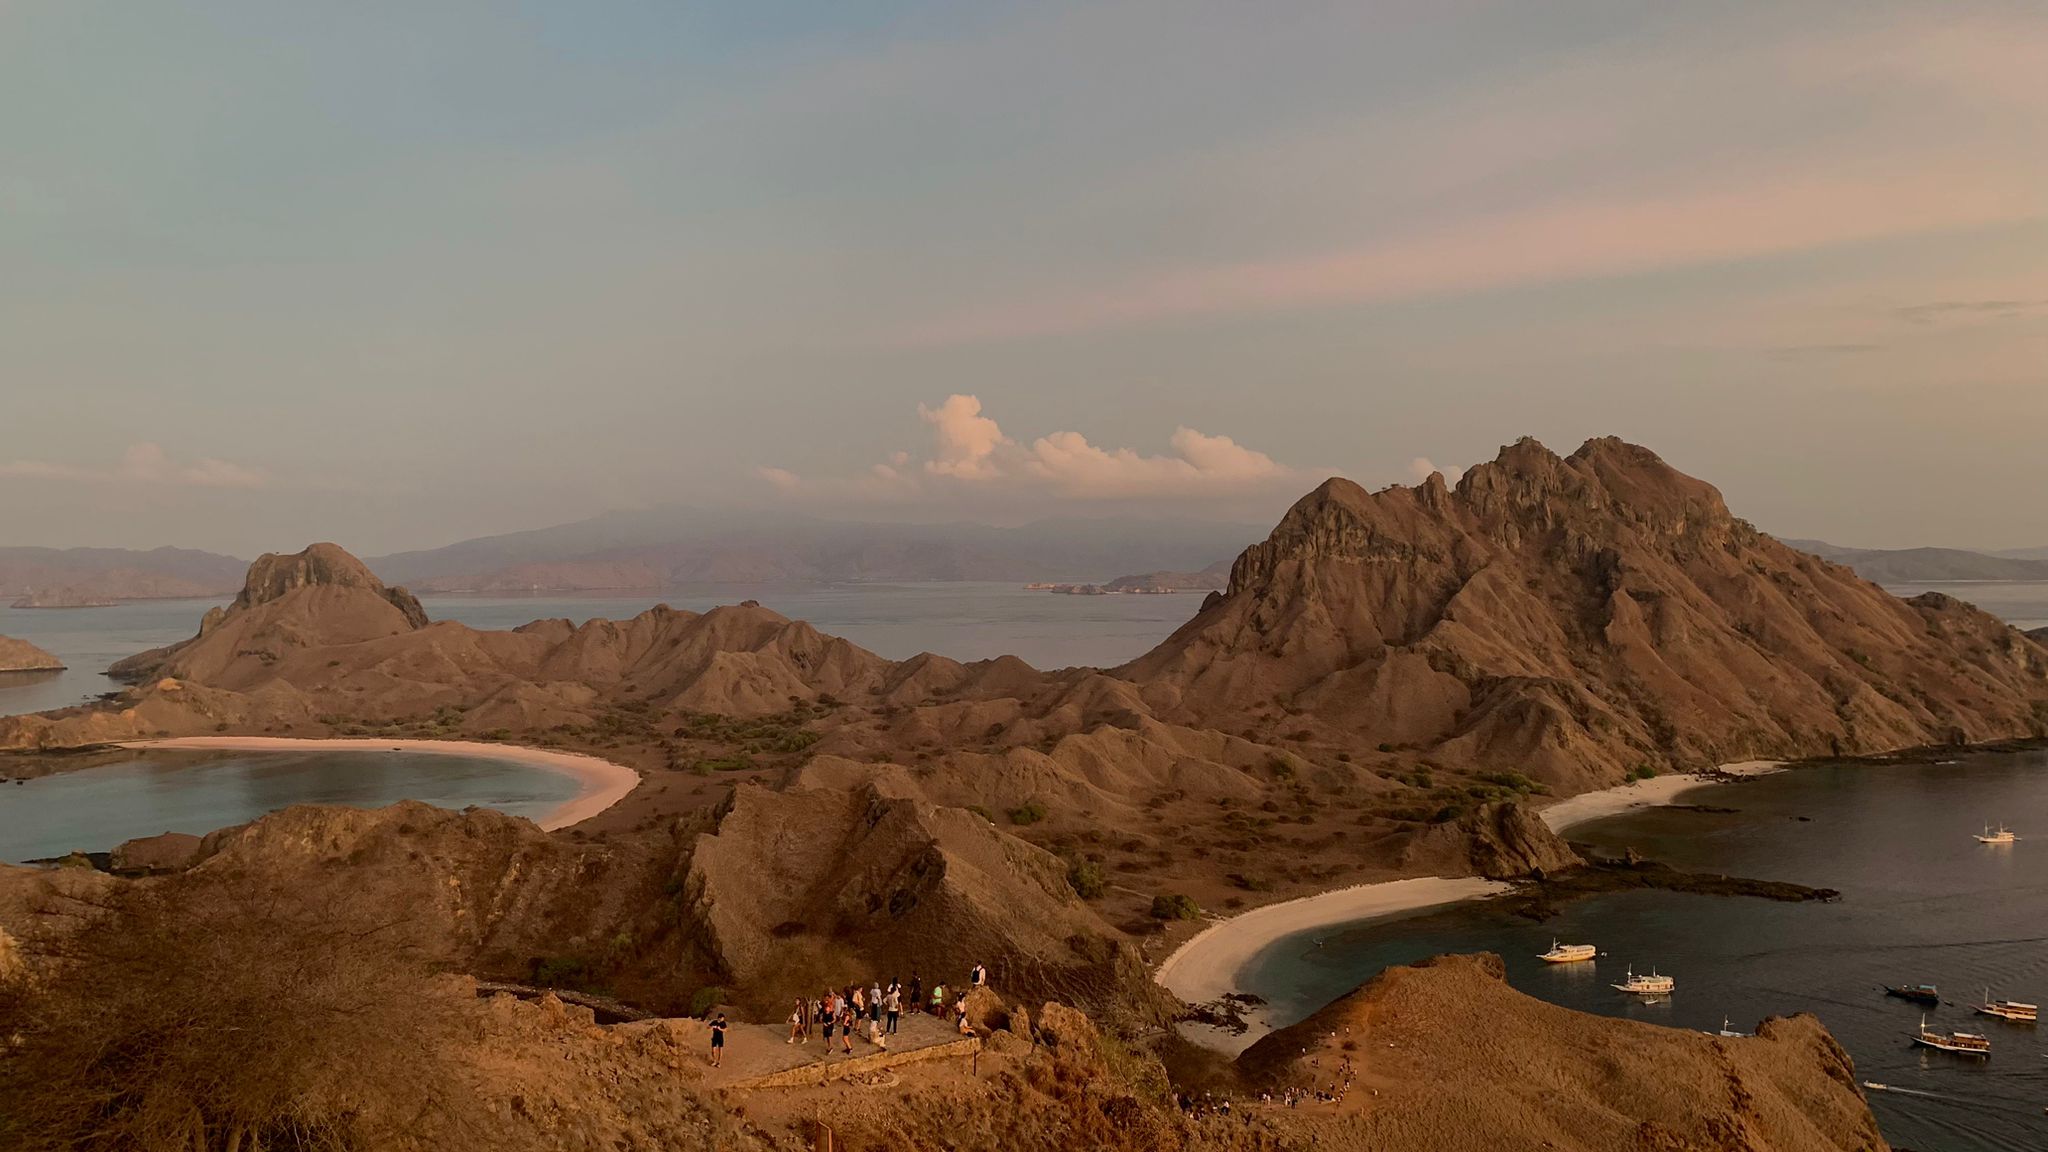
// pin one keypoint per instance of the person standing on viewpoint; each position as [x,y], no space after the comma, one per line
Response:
[718,1041]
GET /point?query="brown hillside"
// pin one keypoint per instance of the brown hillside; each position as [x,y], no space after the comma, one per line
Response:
[22,656]
[1447,1057]
[1575,617]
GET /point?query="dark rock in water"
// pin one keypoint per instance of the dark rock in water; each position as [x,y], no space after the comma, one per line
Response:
[1539,901]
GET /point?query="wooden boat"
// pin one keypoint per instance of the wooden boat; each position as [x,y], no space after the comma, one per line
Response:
[2004,835]
[1918,993]
[1651,985]
[1960,1043]
[2016,1011]
[1568,953]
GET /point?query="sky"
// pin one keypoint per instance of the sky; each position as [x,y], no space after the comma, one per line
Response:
[397,274]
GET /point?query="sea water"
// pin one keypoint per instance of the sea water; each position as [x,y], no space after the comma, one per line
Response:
[145,793]
[1922,902]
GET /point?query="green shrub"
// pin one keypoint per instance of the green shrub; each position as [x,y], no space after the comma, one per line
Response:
[1029,812]
[705,999]
[1087,879]
[1174,906]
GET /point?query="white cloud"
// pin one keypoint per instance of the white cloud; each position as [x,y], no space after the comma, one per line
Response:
[143,463]
[966,440]
[782,479]
[1422,466]
[971,456]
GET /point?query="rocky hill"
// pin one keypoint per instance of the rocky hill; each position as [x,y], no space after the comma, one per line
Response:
[22,656]
[1576,618]
[1415,1041]
[118,573]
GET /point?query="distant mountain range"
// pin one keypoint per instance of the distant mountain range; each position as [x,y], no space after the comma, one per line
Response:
[91,575]
[674,546]
[669,547]
[1931,565]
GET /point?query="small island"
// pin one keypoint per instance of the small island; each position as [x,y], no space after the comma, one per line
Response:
[22,656]
[61,598]
[1214,578]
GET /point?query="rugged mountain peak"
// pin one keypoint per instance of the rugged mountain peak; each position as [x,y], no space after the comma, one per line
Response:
[1576,617]
[275,575]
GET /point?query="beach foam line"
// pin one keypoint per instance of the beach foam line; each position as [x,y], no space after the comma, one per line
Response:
[1655,792]
[1206,967]
[603,782]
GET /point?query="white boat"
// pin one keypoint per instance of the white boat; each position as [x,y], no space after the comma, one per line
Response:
[1651,985]
[1728,1031]
[1961,1043]
[2017,1011]
[1568,953]
[2002,836]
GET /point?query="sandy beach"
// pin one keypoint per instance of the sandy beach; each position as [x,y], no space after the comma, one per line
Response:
[1206,967]
[1651,793]
[603,782]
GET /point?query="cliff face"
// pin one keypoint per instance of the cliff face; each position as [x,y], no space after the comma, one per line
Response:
[1575,617]
[22,656]
[316,598]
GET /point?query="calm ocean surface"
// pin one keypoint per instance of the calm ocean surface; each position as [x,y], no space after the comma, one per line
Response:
[1923,902]
[94,809]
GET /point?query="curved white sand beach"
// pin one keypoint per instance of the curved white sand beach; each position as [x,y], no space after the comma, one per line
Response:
[1206,967]
[1651,793]
[603,782]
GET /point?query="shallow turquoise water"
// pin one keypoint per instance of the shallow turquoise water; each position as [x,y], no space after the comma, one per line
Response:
[94,809]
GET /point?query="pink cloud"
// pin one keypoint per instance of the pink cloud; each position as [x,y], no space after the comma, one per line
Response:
[972,455]
[143,463]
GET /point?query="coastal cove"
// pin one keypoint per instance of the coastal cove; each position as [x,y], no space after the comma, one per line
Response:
[200,784]
[1922,902]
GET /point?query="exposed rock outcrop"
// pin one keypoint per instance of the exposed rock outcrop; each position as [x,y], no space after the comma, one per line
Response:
[147,855]
[910,886]
[22,656]
[1576,617]
[317,598]
[1500,841]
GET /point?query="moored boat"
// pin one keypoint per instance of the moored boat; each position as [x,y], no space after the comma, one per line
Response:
[1568,953]
[1651,985]
[2015,1011]
[1961,1043]
[1926,994]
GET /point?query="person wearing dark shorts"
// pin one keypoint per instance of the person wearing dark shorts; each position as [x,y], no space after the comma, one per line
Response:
[718,1041]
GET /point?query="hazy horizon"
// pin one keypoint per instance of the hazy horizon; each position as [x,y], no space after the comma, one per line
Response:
[400,277]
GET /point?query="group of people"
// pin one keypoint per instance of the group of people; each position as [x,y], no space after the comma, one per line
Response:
[878,1009]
